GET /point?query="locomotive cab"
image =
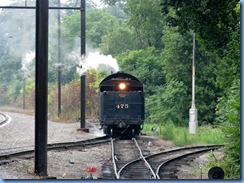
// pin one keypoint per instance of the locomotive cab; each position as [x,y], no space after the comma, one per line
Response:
[121,105]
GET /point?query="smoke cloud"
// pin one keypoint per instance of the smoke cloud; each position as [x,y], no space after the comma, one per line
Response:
[95,60]
[26,61]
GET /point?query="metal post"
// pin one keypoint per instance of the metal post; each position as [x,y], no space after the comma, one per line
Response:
[25,70]
[59,62]
[201,167]
[24,84]
[193,123]
[83,52]
[83,102]
[41,87]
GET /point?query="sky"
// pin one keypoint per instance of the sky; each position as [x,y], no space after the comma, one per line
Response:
[7,2]
[4,3]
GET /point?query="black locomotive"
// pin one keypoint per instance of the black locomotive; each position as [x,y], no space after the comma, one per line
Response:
[122,108]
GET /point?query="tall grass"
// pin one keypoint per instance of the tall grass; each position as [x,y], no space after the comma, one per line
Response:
[181,137]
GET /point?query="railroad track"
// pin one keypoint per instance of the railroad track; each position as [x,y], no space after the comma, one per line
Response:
[130,163]
[3,119]
[127,151]
[55,146]
[167,169]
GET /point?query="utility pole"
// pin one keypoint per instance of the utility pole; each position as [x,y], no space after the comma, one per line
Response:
[41,87]
[24,69]
[193,123]
[59,62]
[24,91]
[83,52]
[41,82]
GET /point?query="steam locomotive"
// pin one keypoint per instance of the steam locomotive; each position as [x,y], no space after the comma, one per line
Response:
[122,108]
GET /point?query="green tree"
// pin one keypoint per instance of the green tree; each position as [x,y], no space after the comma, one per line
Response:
[212,20]
[147,22]
[118,41]
[145,65]
[177,62]
[228,111]
[168,103]
[98,24]
[11,78]
[218,25]
[228,68]
[113,2]
[117,10]
[228,108]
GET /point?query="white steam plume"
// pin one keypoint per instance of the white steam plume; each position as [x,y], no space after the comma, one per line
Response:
[95,60]
[26,61]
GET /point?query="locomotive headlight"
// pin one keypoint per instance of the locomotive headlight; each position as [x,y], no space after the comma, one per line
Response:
[122,86]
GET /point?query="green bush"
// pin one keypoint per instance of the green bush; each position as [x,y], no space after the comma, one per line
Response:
[228,110]
[70,97]
[181,137]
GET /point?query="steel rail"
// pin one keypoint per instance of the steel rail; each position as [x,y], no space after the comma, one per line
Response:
[184,148]
[167,152]
[5,119]
[113,158]
[93,141]
[62,145]
[181,156]
[144,159]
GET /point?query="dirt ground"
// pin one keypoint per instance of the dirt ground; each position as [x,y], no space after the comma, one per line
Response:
[70,164]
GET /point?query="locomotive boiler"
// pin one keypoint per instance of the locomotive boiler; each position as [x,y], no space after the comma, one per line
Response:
[122,108]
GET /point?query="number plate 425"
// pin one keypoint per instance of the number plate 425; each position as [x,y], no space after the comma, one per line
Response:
[122,106]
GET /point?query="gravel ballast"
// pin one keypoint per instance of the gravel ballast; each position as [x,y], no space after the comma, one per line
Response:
[19,135]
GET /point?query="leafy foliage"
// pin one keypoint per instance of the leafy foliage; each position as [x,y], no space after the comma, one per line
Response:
[70,99]
[229,66]
[152,39]
[145,65]
[99,24]
[118,41]
[206,134]
[144,18]
[213,20]
[177,62]
[168,104]
[229,120]
[10,78]
[112,2]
